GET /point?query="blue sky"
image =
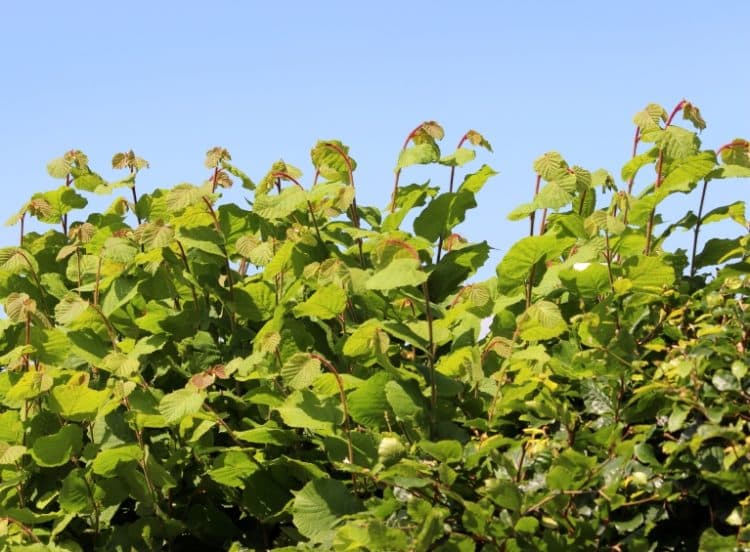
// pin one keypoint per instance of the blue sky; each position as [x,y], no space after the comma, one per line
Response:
[268,79]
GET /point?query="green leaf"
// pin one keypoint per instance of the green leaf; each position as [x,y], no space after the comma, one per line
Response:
[459,157]
[300,370]
[11,428]
[184,195]
[713,541]
[366,340]
[320,506]
[651,117]
[255,301]
[75,494]
[717,251]
[368,404]
[631,168]
[58,203]
[305,410]
[331,159]
[109,460]
[77,402]
[557,193]
[70,308]
[448,210]
[407,198]
[232,468]
[474,182]
[10,455]
[267,435]
[550,165]
[589,280]
[682,175]
[649,274]
[277,207]
[515,266]
[455,268]
[540,321]
[398,273]
[527,524]
[178,404]
[405,399]
[446,451]
[327,302]
[57,449]
[89,181]
[734,211]
[121,292]
[420,154]
[15,260]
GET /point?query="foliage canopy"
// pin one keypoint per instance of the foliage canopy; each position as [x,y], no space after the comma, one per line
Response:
[305,372]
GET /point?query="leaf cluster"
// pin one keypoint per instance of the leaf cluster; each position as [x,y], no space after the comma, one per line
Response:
[305,372]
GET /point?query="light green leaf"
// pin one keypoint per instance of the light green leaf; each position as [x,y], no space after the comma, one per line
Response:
[649,274]
[550,165]
[631,168]
[305,410]
[300,370]
[447,451]
[70,308]
[474,182]
[11,427]
[734,211]
[398,273]
[184,195]
[540,321]
[327,302]
[32,384]
[89,181]
[366,339]
[405,399]
[232,469]
[108,460]
[460,363]
[459,157]
[276,207]
[176,405]
[58,167]
[515,266]
[11,454]
[368,404]
[15,260]
[320,506]
[719,250]
[419,154]
[77,402]
[75,494]
[56,449]
[121,292]
[685,173]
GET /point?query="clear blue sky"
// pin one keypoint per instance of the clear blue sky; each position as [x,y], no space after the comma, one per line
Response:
[267,79]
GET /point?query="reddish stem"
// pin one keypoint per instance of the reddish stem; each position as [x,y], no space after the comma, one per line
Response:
[342,394]
[450,190]
[214,179]
[279,175]
[398,171]
[659,168]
